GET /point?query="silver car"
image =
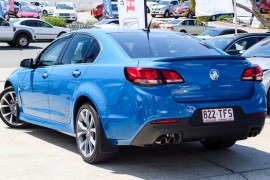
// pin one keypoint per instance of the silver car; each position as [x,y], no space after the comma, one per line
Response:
[260,54]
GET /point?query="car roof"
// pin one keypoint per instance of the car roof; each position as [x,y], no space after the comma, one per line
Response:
[242,35]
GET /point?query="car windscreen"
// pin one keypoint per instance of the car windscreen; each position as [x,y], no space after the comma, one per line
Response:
[175,21]
[185,4]
[161,44]
[261,49]
[64,6]
[220,43]
[28,9]
[210,32]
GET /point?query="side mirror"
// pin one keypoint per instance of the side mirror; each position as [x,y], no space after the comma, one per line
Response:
[27,63]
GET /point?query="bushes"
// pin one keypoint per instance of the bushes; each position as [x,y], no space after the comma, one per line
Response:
[55,21]
[222,17]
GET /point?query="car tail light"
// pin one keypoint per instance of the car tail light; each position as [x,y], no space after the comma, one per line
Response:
[169,28]
[151,77]
[253,74]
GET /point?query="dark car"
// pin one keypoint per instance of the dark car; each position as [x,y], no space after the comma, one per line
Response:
[236,44]
[213,32]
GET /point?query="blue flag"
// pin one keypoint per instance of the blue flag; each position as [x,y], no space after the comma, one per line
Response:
[107,8]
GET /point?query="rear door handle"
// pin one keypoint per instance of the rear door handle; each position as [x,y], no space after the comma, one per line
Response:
[76,73]
[45,75]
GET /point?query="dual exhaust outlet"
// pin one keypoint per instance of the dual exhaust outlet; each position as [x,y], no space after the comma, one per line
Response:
[170,138]
[253,132]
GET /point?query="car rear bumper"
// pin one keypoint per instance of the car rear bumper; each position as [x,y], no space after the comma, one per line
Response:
[193,129]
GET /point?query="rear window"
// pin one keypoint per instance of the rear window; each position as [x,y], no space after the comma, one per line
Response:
[161,44]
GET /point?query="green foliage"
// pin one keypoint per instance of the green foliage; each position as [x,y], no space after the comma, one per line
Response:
[91,22]
[55,21]
[202,20]
[192,6]
[222,17]
[181,1]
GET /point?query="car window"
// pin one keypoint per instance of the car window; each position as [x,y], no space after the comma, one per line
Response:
[141,45]
[43,24]
[261,49]
[77,49]
[52,54]
[174,3]
[92,52]
[3,22]
[244,44]
[191,23]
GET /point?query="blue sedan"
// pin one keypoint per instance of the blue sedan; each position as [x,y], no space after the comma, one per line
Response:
[141,87]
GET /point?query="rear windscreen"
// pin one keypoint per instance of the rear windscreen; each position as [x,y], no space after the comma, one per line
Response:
[161,44]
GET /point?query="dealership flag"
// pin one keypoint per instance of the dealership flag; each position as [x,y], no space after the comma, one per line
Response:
[131,14]
[213,7]
[107,7]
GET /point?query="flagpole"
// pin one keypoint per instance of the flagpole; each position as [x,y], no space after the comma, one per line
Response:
[235,16]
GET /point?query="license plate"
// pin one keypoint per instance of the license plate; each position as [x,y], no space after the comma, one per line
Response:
[217,115]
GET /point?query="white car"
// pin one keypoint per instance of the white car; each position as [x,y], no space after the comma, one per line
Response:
[164,8]
[184,25]
[42,29]
[150,3]
[47,8]
[15,35]
[66,10]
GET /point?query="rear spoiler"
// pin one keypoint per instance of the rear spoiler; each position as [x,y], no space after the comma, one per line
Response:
[222,57]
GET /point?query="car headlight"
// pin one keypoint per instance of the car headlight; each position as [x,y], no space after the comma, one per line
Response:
[73,14]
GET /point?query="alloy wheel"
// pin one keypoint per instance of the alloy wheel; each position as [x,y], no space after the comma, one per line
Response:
[86,133]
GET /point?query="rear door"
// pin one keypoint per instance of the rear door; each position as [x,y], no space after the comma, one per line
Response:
[66,77]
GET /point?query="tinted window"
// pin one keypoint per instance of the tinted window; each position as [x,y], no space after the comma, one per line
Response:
[137,45]
[52,54]
[92,52]
[220,43]
[244,43]
[261,49]
[77,49]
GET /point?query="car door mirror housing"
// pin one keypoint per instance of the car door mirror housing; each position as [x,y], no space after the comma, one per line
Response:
[27,63]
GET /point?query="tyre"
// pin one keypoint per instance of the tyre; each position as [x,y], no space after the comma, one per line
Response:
[213,18]
[166,14]
[88,135]
[9,112]
[218,144]
[189,15]
[22,40]
[12,44]
[183,31]
[153,15]
[268,102]
[45,13]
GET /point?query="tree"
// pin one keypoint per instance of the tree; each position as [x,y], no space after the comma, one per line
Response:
[256,12]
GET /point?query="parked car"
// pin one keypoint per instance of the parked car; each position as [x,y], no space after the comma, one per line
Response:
[236,45]
[137,88]
[164,8]
[65,10]
[219,31]
[28,12]
[5,9]
[46,7]
[264,6]
[184,25]
[15,35]
[98,12]
[104,22]
[150,4]
[181,9]
[42,29]
[260,54]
